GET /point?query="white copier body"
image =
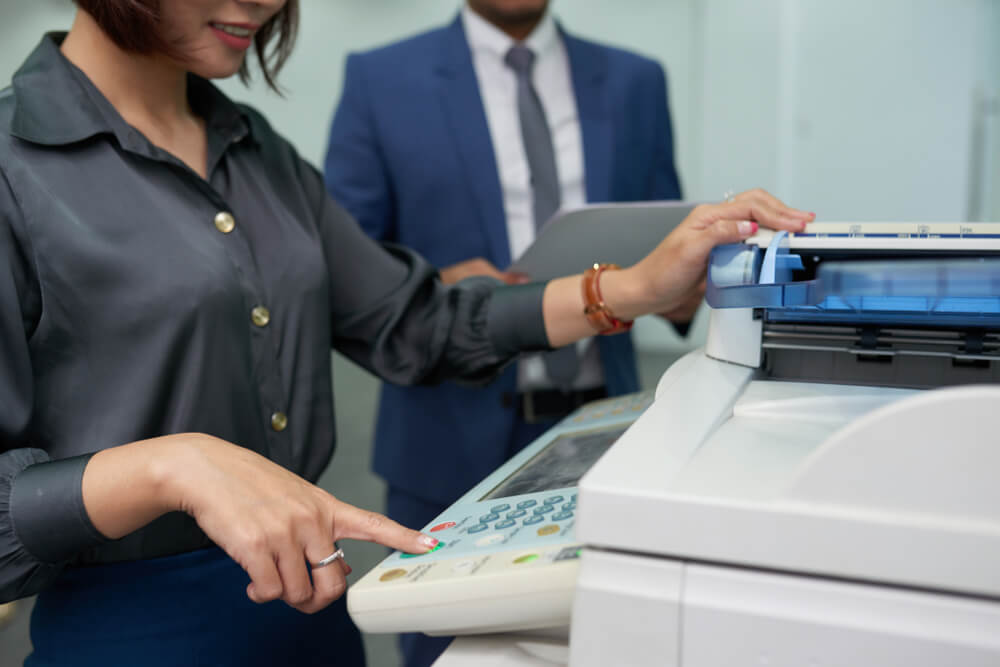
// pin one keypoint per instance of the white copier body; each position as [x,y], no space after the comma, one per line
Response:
[819,485]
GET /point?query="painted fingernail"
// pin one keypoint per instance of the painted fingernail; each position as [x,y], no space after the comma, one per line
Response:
[428,541]
[746,228]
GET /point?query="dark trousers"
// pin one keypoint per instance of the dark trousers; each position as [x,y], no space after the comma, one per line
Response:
[418,649]
[189,610]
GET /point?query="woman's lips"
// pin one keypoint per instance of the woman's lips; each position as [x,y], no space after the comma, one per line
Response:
[235,35]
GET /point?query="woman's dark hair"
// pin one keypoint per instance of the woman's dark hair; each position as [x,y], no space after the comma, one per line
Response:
[133,26]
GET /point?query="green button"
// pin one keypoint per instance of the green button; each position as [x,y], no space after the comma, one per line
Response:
[439,545]
[526,558]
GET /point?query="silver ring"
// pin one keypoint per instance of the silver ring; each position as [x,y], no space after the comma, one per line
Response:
[335,556]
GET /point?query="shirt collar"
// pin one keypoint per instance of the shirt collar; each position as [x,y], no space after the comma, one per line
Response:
[484,36]
[56,104]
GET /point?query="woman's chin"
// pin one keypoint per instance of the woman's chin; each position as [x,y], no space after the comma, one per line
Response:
[217,68]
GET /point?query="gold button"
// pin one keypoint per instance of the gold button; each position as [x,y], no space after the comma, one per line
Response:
[224,222]
[548,530]
[260,316]
[279,420]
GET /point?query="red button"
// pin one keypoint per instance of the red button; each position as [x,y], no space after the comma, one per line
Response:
[442,526]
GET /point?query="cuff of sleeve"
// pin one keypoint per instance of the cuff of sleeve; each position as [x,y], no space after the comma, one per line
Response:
[515,319]
[47,510]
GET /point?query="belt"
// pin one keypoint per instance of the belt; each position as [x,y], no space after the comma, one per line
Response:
[551,404]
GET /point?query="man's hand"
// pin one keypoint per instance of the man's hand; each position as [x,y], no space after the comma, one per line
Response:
[479,267]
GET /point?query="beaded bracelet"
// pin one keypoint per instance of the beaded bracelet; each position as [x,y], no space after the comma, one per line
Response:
[597,312]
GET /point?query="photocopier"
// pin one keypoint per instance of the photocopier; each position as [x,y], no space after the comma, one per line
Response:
[818,485]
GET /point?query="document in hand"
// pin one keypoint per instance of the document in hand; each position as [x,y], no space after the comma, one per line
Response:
[622,234]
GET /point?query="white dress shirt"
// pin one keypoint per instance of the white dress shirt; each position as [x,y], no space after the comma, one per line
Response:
[498,89]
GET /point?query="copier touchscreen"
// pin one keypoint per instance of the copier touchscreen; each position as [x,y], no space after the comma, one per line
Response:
[561,464]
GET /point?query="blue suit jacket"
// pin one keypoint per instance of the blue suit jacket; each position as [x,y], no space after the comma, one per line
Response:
[410,157]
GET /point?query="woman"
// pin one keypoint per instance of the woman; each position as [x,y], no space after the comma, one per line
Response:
[173,278]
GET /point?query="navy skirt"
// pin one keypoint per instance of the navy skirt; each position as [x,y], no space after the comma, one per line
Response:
[190,609]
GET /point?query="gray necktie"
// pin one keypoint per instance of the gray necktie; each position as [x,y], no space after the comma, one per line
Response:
[561,365]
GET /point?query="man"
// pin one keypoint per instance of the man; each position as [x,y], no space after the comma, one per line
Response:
[456,145]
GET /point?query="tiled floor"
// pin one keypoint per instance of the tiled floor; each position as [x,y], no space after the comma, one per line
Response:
[349,477]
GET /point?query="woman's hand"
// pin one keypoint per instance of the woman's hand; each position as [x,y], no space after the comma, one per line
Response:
[673,271]
[670,276]
[269,520]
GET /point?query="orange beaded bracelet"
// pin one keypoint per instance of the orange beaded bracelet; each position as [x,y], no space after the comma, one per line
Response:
[597,312]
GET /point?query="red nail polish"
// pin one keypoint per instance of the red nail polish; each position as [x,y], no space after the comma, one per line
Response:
[753,228]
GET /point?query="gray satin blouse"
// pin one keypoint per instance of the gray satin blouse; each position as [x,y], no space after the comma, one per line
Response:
[138,299]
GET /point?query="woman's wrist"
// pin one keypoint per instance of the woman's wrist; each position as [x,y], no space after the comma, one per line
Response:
[626,295]
[127,487]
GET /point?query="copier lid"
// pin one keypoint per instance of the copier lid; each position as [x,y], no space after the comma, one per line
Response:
[858,284]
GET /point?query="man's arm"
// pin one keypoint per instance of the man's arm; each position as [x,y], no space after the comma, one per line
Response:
[663,181]
[355,169]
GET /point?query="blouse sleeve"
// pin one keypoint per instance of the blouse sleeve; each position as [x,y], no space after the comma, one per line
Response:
[43,522]
[393,315]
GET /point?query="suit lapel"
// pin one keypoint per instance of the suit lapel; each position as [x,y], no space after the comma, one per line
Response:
[463,107]
[588,70]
